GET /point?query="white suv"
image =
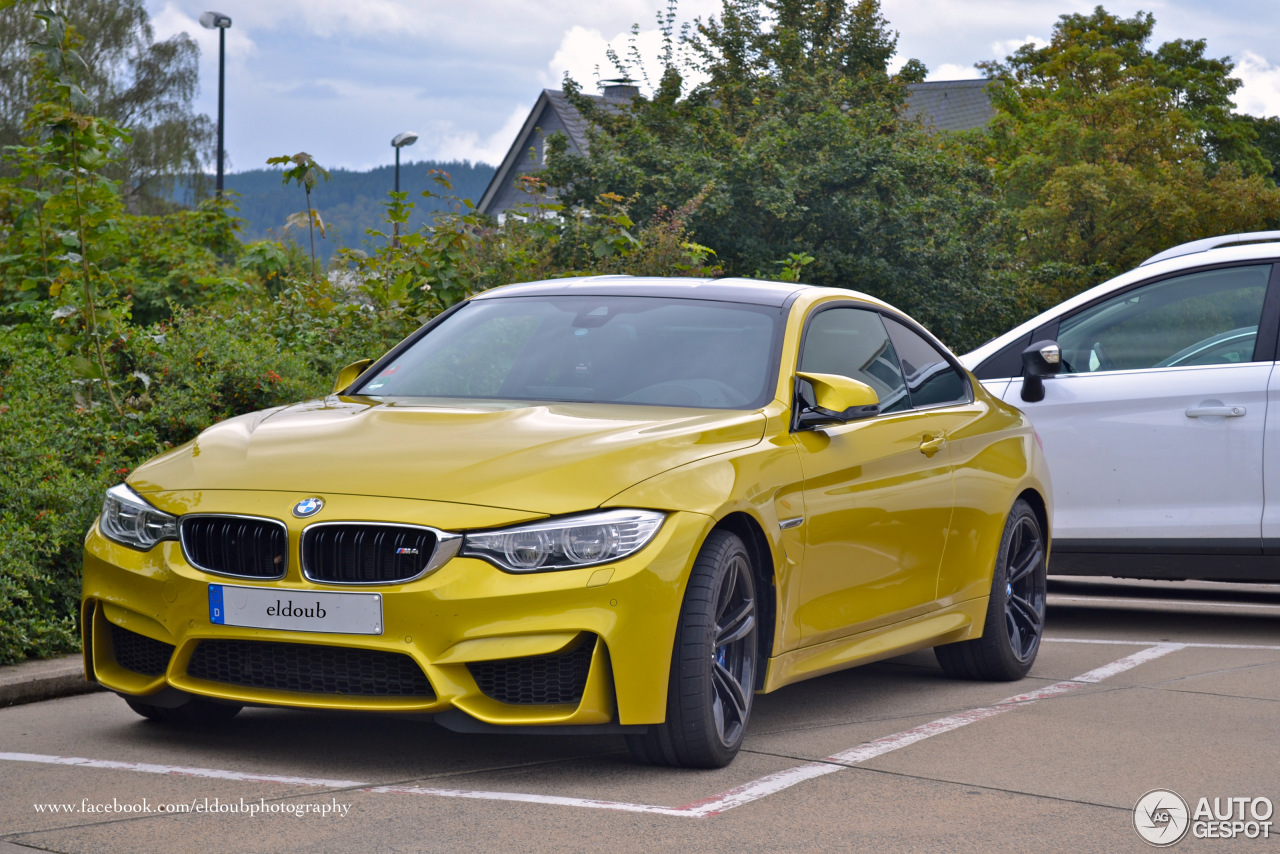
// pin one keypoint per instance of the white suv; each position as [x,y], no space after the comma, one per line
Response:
[1150,393]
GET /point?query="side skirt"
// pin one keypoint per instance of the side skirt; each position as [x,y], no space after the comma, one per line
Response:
[958,622]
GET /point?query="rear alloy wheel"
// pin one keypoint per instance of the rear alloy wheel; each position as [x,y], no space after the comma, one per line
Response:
[713,664]
[191,710]
[1015,613]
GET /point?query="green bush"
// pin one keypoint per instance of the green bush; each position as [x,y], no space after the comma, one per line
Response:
[202,368]
[55,459]
[176,259]
[58,452]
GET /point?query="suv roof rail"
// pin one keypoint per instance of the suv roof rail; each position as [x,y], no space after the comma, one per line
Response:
[1213,243]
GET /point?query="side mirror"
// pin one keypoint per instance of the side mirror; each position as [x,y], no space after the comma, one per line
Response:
[350,374]
[837,400]
[1041,360]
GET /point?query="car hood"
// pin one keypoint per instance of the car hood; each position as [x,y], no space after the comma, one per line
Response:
[539,458]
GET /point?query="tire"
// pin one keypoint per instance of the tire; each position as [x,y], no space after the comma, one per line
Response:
[713,664]
[1014,625]
[192,710]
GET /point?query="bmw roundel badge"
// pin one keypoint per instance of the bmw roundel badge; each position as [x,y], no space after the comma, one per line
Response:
[308,507]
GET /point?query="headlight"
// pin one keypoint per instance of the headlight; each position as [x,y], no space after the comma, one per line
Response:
[565,543]
[129,520]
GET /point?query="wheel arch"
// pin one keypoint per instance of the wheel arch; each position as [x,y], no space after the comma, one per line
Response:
[748,529]
[1037,502]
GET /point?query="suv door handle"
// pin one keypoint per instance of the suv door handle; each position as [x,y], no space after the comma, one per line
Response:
[930,445]
[1220,411]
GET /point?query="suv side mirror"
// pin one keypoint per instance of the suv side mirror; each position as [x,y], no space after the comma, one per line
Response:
[1042,359]
[350,374]
[837,400]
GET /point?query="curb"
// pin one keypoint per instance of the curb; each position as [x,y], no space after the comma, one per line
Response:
[33,681]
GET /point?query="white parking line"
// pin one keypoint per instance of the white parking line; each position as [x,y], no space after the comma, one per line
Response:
[864,752]
[1186,644]
[180,771]
[1063,599]
[716,804]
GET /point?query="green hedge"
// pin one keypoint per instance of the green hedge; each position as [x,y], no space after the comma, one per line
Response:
[57,455]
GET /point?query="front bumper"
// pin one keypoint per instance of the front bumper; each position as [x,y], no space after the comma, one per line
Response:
[460,625]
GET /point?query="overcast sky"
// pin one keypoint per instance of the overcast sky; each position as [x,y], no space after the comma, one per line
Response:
[340,78]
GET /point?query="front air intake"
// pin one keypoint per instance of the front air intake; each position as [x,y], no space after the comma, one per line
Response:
[139,653]
[309,668]
[543,680]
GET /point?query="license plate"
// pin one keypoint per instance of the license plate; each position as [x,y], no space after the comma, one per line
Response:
[295,610]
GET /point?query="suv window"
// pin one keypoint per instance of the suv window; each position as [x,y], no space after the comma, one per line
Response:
[1207,318]
[852,342]
[931,379]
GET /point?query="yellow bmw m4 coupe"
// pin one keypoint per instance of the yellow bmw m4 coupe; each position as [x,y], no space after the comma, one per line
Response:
[598,505]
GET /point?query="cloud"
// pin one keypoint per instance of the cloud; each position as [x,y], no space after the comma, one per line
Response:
[584,55]
[171,20]
[330,18]
[950,71]
[475,23]
[957,33]
[315,91]
[467,145]
[1260,94]
[969,21]
[1003,49]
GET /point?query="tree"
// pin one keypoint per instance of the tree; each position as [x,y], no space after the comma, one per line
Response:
[796,145]
[306,172]
[131,80]
[1268,142]
[1108,151]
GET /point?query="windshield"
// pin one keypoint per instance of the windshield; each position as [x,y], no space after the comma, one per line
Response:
[596,349]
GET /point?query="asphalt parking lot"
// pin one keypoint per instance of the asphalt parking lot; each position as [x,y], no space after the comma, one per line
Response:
[1139,686]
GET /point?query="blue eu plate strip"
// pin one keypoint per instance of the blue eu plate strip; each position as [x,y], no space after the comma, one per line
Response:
[217,614]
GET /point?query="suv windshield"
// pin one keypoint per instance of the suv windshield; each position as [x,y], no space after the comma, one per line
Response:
[596,349]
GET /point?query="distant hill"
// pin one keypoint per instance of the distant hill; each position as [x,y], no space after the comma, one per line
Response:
[350,203]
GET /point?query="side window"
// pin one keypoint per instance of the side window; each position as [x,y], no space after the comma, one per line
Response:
[852,342]
[931,379]
[1208,318]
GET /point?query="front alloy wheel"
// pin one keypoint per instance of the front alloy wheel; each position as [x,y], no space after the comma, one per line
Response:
[713,664]
[1015,612]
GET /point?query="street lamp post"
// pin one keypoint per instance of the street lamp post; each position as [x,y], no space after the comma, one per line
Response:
[398,142]
[220,22]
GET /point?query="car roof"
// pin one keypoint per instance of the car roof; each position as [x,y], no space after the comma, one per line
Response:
[1152,268]
[752,291]
[1208,243]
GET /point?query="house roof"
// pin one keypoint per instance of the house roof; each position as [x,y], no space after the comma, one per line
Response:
[952,105]
[945,105]
[551,104]
[574,124]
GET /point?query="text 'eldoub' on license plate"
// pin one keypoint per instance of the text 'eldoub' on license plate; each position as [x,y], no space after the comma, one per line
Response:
[295,610]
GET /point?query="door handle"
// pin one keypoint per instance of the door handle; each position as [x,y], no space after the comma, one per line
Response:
[930,445]
[1220,411]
